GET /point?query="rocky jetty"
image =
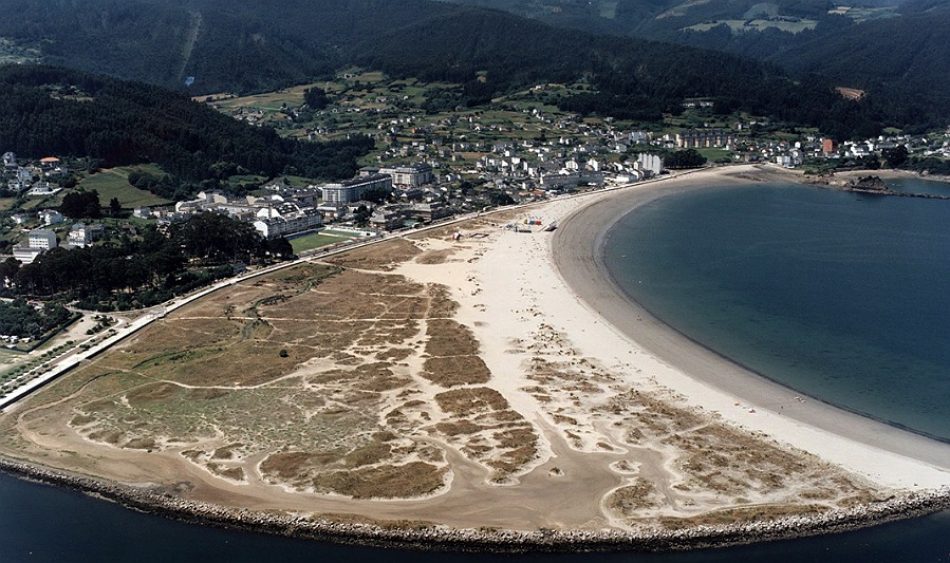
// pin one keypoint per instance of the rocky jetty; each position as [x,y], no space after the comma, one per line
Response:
[870,184]
[437,537]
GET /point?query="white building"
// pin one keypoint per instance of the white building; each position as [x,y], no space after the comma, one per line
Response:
[650,163]
[38,241]
[638,137]
[21,218]
[25,254]
[279,225]
[9,161]
[42,239]
[51,217]
[43,189]
[410,176]
[82,235]
[353,190]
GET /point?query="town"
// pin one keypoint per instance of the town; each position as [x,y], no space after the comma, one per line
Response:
[430,166]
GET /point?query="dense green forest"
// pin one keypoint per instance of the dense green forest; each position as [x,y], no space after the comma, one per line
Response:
[894,48]
[245,45]
[147,269]
[45,110]
[19,318]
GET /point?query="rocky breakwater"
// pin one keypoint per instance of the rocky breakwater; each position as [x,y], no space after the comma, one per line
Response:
[870,185]
[422,535]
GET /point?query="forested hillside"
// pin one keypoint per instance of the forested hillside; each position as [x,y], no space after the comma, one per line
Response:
[46,110]
[908,55]
[249,45]
[891,47]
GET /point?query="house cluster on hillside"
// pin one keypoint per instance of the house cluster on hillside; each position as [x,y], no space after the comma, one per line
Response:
[476,147]
[39,178]
[41,240]
[396,193]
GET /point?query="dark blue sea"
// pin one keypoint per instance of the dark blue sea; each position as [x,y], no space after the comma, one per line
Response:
[39,523]
[841,296]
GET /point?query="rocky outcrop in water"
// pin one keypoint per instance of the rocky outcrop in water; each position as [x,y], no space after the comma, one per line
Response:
[870,184]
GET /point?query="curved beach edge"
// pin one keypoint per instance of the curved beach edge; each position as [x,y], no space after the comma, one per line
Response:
[423,536]
[905,504]
[578,256]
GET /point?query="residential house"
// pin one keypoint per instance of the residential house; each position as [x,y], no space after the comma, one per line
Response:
[51,217]
[82,235]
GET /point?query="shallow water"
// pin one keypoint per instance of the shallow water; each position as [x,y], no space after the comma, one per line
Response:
[918,186]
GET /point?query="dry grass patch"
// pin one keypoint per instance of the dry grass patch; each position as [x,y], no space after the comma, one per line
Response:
[387,481]
[441,304]
[383,256]
[432,257]
[449,338]
[471,401]
[629,499]
[456,370]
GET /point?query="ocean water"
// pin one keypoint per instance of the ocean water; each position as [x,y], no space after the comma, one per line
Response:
[43,524]
[919,186]
[841,296]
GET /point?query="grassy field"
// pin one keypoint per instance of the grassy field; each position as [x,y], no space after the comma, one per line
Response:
[37,203]
[114,182]
[714,155]
[788,25]
[316,240]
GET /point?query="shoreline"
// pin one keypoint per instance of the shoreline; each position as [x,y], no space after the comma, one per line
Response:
[902,499]
[448,539]
[578,256]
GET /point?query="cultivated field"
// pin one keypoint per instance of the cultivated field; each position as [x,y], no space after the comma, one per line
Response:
[114,183]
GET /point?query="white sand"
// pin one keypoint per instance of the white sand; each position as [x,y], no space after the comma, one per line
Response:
[519,271]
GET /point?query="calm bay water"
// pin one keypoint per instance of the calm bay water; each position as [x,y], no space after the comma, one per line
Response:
[840,296]
[918,186]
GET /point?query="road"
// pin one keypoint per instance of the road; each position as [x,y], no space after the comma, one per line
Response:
[71,358]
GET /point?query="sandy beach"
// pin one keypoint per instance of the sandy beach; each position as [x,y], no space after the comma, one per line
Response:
[886,454]
[456,377]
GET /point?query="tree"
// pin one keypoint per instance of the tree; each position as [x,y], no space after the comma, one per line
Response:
[8,269]
[280,248]
[500,198]
[896,157]
[362,215]
[115,207]
[690,158]
[218,238]
[377,195]
[316,98]
[81,205]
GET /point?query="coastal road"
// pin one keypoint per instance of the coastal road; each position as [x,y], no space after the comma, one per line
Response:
[72,360]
